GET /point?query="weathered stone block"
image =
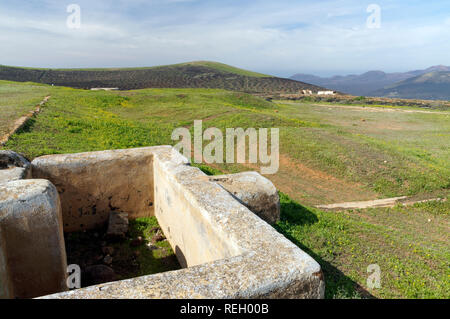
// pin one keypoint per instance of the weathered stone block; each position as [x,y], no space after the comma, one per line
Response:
[13,167]
[13,174]
[254,191]
[10,159]
[31,223]
[117,225]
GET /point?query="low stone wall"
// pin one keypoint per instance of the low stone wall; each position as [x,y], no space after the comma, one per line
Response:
[181,216]
[230,252]
[226,249]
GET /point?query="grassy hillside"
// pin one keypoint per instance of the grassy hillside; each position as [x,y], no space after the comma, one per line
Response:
[432,85]
[328,154]
[201,74]
[227,68]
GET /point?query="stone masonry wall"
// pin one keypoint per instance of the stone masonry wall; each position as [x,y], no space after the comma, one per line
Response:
[91,185]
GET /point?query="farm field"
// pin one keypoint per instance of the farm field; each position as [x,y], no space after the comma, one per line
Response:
[328,154]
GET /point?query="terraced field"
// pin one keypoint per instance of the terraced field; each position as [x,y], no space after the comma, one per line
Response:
[328,154]
[185,75]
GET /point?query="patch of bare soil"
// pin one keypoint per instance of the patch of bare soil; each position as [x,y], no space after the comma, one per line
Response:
[380,109]
[311,186]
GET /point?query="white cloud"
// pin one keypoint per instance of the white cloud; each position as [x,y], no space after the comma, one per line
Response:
[282,37]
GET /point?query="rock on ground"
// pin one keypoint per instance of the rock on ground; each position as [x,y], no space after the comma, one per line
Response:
[118,224]
[254,191]
[13,167]
[9,159]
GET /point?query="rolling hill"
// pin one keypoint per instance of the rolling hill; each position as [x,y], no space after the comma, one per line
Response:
[370,83]
[200,74]
[433,85]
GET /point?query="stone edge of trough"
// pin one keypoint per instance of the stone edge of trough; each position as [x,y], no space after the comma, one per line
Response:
[270,266]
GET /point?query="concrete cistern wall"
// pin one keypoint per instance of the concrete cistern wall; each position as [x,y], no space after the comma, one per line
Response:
[227,250]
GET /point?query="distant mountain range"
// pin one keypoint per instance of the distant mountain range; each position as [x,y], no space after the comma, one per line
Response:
[428,86]
[431,83]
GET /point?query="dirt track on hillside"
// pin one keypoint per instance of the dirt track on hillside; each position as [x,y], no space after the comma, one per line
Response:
[311,186]
[385,202]
[380,109]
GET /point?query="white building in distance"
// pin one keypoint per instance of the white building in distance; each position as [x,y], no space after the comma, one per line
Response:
[326,93]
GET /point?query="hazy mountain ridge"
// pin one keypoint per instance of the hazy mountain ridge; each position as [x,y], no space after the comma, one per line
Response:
[433,85]
[373,83]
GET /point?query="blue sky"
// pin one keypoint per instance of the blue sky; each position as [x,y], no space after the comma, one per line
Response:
[280,37]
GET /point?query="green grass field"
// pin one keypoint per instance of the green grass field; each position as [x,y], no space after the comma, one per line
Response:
[328,154]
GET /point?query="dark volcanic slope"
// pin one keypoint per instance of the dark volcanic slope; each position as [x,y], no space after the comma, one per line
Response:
[188,75]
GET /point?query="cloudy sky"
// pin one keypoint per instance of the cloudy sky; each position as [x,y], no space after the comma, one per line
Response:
[279,37]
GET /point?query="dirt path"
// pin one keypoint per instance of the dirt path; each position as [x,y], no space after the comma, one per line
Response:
[309,185]
[371,108]
[312,187]
[18,124]
[386,202]
[380,109]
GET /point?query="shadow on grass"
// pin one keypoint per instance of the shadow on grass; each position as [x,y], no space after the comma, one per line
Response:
[27,126]
[337,284]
